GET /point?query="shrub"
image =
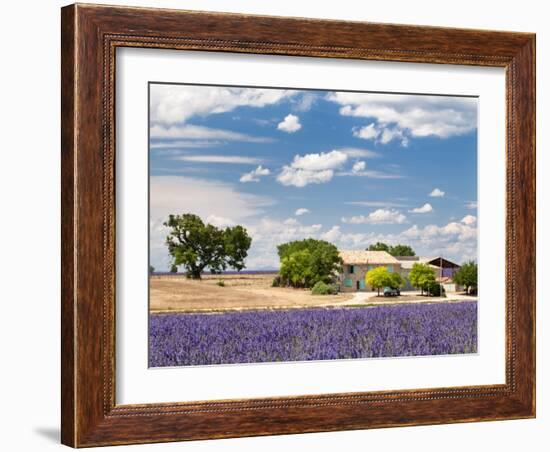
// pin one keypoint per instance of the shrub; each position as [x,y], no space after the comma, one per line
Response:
[221,283]
[435,289]
[276,282]
[321,288]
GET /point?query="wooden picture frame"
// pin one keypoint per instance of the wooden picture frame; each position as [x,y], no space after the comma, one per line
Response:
[90,36]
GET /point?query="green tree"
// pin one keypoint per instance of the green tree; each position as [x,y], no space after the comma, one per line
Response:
[305,262]
[198,246]
[151,269]
[397,281]
[422,276]
[379,277]
[397,250]
[379,246]
[467,276]
[402,250]
[173,268]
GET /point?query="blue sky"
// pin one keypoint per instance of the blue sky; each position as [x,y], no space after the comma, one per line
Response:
[350,168]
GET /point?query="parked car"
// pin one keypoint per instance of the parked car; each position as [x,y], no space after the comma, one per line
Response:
[391,292]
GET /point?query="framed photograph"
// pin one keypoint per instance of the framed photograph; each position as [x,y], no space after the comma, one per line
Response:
[282,225]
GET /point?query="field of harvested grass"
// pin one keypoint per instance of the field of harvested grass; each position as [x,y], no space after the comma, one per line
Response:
[179,294]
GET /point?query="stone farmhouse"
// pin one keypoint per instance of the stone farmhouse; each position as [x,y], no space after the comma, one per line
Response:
[358,262]
[356,265]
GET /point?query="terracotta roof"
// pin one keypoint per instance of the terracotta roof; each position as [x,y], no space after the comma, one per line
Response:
[367,257]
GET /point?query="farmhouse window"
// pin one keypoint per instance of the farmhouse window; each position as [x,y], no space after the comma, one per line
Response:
[352,269]
[348,282]
[390,268]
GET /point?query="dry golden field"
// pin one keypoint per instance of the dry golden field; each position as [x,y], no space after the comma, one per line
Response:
[179,294]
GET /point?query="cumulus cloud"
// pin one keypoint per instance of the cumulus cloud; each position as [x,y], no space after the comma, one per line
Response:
[176,104]
[290,124]
[399,116]
[254,175]
[379,216]
[469,220]
[381,134]
[462,232]
[426,208]
[358,167]
[220,222]
[437,193]
[332,235]
[311,168]
[301,211]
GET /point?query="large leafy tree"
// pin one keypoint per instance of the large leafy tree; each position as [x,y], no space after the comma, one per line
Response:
[379,246]
[402,250]
[422,276]
[467,276]
[306,262]
[397,250]
[199,246]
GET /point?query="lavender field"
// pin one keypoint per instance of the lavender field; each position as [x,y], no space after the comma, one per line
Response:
[312,334]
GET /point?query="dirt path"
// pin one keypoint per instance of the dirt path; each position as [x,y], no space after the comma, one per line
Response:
[371,298]
[179,294]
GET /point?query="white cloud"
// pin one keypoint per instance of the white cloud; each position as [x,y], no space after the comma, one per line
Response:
[381,134]
[319,162]
[176,104]
[402,115]
[301,178]
[219,222]
[379,216]
[305,102]
[471,205]
[358,152]
[376,203]
[290,124]
[462,232]
[184,144]
[254,175]
[301,211]
[332,235]
[230,159]
[437,193]
[311,168]
[370,132]
[192,132]
[426,208]
[372,174]
[358,167]
[469,220]
[291,222]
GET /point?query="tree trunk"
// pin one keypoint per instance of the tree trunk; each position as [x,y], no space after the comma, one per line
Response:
[194,274]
